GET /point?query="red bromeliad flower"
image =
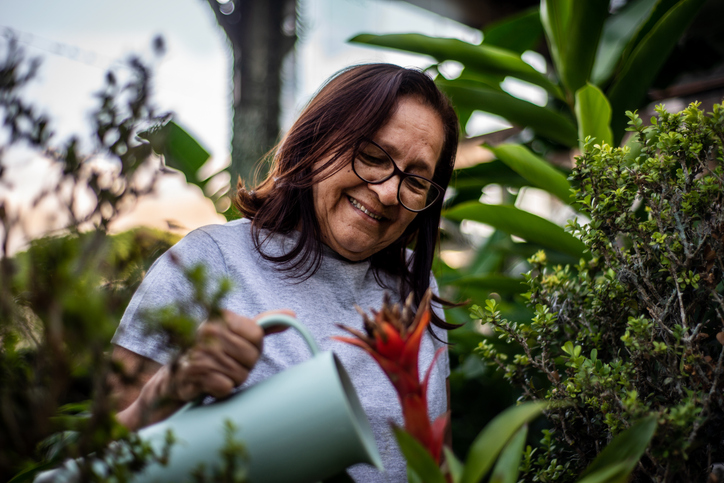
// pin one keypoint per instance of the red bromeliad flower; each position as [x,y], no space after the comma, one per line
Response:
[394,342]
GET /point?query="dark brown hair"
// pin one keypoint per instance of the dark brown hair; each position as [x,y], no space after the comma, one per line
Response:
[354,103]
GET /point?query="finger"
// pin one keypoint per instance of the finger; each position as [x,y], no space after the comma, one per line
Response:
[244,327]
[275,329]
[239,350]
[209,360]
[217,385]
[221,338]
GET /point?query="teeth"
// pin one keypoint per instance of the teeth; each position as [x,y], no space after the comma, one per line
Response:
[363,209]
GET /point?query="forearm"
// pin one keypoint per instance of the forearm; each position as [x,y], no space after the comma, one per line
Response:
[153,403]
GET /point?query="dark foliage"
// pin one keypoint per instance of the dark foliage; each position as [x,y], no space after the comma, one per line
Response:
[639,329]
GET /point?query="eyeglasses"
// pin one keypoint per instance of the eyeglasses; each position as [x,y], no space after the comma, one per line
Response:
[373,165]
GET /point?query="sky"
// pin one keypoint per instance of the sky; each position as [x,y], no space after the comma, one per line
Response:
[79,40]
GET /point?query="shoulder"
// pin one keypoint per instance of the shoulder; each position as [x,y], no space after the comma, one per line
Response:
[216,237]
[232,230]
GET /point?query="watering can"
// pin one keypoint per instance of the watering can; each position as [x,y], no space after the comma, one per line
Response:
[303,424]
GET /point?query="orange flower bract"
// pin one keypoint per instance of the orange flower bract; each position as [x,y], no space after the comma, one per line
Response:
[394,342]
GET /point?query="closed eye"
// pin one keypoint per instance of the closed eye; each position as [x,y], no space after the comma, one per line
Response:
[372,160]
[417,184]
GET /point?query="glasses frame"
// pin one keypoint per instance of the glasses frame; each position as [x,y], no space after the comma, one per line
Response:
[396,171]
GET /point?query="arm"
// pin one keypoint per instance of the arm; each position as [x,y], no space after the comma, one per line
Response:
[221,359]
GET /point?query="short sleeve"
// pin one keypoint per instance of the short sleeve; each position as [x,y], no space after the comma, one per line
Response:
[166,284]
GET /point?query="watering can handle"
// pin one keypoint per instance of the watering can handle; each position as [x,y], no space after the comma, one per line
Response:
[289,321]
[265,322]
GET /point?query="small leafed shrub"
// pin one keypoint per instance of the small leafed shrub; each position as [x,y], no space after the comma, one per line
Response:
[638,329]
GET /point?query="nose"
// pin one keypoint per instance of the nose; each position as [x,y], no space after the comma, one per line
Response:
[387,191]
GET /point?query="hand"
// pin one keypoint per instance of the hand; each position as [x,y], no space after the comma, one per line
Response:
[221,359]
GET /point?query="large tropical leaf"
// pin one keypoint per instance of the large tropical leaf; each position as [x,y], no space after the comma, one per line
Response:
[660,8]
[555,16]
[493,438]
[490,257]
[618,30]
[506,468]
[630,86]
[482,174]
[536,170]
[454,464]
[490,81]
[614,473]
[483,58]
[179,149]
[545,122]
[627,447]
[418,459]
[587,18]
[468,183]
[516,33]
[594,115]
[519,223]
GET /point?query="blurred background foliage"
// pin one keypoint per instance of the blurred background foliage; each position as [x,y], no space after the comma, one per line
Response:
[62,297]
[602,59]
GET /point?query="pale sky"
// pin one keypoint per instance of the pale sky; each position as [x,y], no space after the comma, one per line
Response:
[79,40]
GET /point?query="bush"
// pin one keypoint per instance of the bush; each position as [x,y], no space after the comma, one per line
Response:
[638,329]
[62,298]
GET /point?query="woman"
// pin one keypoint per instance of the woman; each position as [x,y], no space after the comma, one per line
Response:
[359,177]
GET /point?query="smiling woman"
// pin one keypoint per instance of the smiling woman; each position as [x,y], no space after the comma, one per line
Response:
[357,218]
[356,182]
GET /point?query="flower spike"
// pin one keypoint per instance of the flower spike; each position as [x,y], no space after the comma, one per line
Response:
[393,340]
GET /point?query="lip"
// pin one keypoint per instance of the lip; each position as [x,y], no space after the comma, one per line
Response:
[352,200]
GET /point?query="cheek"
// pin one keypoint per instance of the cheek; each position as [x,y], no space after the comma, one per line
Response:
[406,220]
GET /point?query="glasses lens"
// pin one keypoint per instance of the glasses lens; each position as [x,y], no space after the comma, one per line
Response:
[372,164]
[418,193]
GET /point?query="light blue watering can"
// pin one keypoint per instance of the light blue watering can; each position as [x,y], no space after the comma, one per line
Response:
[304,424]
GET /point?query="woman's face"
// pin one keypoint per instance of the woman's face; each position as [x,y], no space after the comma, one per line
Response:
[359,219]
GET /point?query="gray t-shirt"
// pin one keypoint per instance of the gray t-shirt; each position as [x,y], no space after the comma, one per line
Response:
[326,298]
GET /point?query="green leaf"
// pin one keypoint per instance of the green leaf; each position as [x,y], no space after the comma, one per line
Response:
[615,473]
[494,283]
[545,122]
[618,30]
[454,464]
[494,436]
[506,469]
[657,11]
[555,16]
[519,223]
[490,81]
[491,256]
[179,149]
[536,170]
[418,459]
[29,474]
[469,182]
[626,448]
[483,58]
[483,174]
[586,25]
[594,115]
[516,33]
[629,89]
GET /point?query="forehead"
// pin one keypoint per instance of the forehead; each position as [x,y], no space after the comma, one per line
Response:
[413,135]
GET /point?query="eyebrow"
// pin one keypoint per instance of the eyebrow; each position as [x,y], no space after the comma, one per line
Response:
[391,151]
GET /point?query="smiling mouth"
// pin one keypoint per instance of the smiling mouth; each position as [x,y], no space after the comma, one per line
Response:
[364,210]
